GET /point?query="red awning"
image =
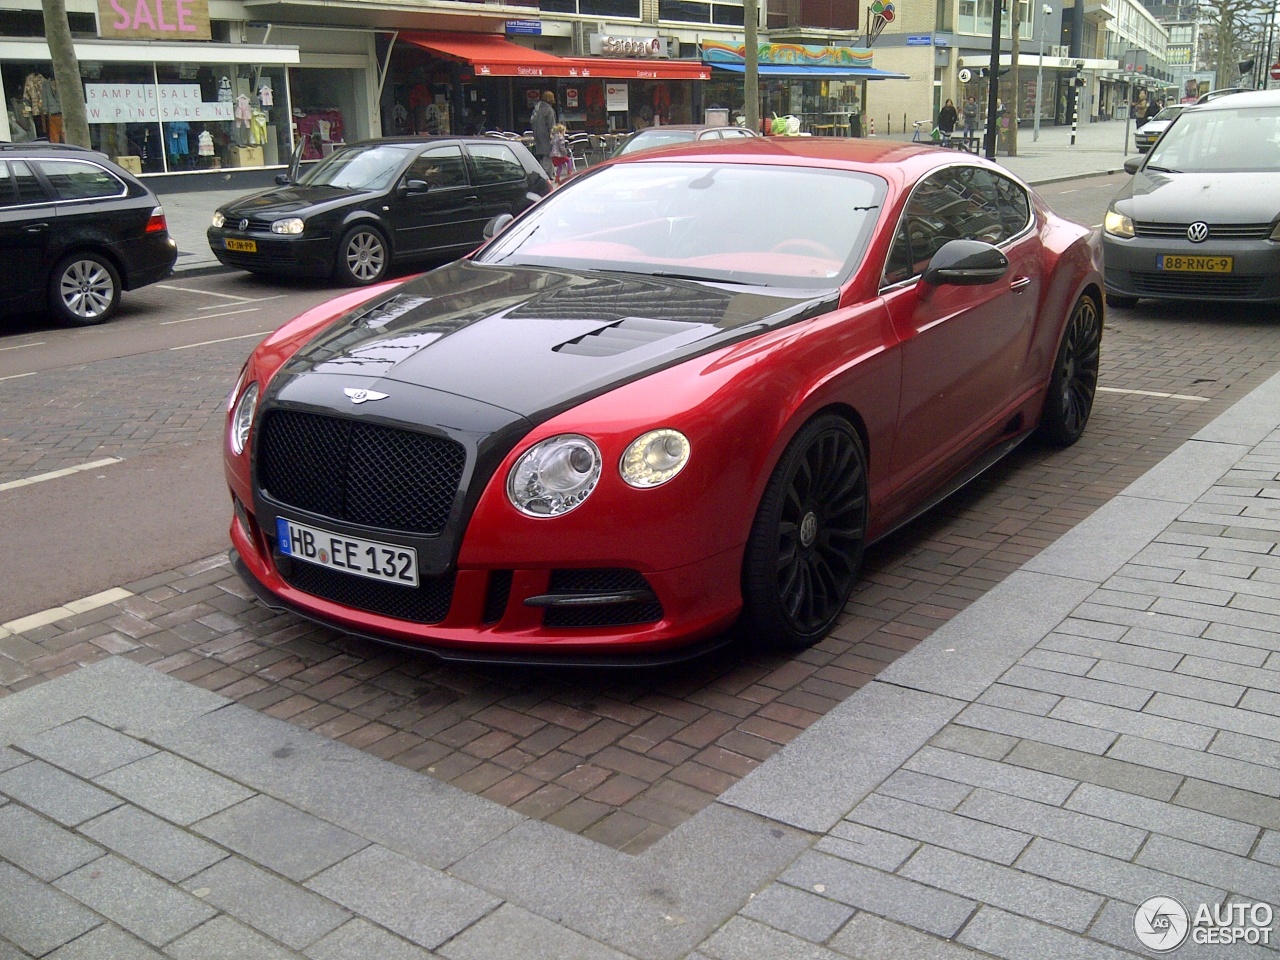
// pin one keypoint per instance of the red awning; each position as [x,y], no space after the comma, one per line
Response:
[493,56]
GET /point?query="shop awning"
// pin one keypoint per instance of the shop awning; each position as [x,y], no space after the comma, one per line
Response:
[799,71]
[493,56]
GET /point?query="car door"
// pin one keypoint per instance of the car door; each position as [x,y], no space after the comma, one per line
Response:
[27,220]
[434,207]
[964,348]
[500,179]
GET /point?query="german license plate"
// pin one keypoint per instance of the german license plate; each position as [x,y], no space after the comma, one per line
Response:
[364,558]
[241,246]
[1187,264]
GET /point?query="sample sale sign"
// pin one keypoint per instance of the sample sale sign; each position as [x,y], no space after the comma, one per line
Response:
[154,19]
[147,102]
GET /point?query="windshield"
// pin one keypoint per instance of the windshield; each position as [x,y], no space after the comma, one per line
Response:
[656,137]
[1220,141]
[358,168]
[731,222]
[1168,113]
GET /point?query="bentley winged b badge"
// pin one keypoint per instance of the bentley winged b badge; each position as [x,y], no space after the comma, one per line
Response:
[359,395]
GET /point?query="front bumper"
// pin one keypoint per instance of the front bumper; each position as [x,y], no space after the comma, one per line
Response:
[295,256]
[1132,270]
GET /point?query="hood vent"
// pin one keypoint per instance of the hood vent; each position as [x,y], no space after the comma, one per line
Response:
[626,334]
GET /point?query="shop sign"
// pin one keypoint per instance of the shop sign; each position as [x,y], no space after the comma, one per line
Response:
[788,54]
[615,98]
[144,102]
[531,28]
[919,40]
[607,45]
[154,19]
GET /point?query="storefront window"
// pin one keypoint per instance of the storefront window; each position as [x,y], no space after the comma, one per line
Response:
[223,115]
[324,109]
[686,10]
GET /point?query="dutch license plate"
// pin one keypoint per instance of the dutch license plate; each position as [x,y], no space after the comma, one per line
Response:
[241,246]
[1187,264]
[364,558]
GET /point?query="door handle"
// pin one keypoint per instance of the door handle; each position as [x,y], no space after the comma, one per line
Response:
[35,228]
[1019,284]
[471,199]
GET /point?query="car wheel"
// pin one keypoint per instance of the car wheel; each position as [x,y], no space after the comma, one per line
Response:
[362,257]
[806,544]
[84,289]
[1123,303]
[1075,376]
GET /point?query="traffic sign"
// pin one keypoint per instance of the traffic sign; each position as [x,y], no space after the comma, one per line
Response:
[1275,71]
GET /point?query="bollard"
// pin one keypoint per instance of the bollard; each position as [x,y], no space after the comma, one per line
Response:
[1075,115]
[872,131]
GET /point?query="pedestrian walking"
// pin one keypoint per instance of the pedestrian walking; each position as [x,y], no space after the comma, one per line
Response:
[542,120]
[947,118]
[560,159]
[970,118]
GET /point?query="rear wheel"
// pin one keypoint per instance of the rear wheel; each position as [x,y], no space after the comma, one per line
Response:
[84,289]
[1075,376]
[1123,303]
[362,257]
[806,544]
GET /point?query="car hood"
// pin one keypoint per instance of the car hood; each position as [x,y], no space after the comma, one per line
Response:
[1157,197]
[287,201]
[535,341]
[1153,128]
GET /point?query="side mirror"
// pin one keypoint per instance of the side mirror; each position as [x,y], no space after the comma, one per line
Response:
[497,225]
[966,263]
[282,179]
[415,186]
[1132,164]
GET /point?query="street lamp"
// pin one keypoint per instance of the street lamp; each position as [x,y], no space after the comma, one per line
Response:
[1045,12]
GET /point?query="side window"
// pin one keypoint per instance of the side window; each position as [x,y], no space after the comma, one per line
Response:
[78,180]
[899,265]
[28,186]
[8,195]
[1015,206]
[440,167]
[494,163]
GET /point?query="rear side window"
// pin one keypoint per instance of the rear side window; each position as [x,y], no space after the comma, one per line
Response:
[495,163]
[18,184]
[78,180]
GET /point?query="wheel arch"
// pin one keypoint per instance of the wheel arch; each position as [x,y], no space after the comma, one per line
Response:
[82,246]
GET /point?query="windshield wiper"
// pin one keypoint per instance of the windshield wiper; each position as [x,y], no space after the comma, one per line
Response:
[1161,169]
[668,275]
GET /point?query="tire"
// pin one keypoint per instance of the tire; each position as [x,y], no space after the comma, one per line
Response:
[363,257]
[84,289]
[1122,303]
[1075,376]
[806,544]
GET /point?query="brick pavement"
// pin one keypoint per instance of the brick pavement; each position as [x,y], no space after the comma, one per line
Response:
[621,759]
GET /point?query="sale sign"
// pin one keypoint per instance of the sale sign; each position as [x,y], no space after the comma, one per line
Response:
[154,19]
[147,103]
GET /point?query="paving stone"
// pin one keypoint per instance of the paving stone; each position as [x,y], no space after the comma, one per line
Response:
[1144,620]
[136,900]
[798,912]
[1198,764]
[743,939]
[1097,649]
[868,937]
[55,793]
[940,827]
[86,748]
[975,743]
[224,939]
[1106,771]
[1082,688]
[1003,887]
[1115,926]
[861,844]
[1017,938]
[152,843]
[1236,673]
[423,905]
[1249,878]
[1108,876]
[1136,722]
[40,846]
[280,837]
[281,910]
[1002,777]
[107,942]
[1043,658]
[11,758]
[1164,818]
[923,789]
[1074,736]
[1241,805]
[37,918]
[1055,823]
[1265,753]
[512,932]
[888,895]
[174,788]
[358,939]
[1019,698]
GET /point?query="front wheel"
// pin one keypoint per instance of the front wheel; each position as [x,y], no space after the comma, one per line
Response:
[1075,376]
[84,289]
[805,547]
[362,257]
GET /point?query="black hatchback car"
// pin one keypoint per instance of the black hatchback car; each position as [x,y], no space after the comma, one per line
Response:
[378,201]
[75,230]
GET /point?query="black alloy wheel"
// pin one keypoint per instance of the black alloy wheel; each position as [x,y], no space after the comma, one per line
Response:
[806,544]
[84,289]
[362,258]
[1075,376]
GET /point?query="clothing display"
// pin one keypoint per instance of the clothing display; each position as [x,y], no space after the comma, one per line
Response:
[40,103]
[206,143]
[266,96]
[316,128]
[224,90]
[178,146]
[258,127]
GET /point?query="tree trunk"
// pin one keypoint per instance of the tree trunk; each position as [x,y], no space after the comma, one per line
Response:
[66,72]
[1015,101]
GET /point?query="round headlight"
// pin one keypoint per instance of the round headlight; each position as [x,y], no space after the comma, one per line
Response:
[242,419]
[654,458]
[554,476]
[291,225]
[218,218]
[1117,224]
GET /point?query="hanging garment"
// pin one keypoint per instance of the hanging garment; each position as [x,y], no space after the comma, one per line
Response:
[243,111]
[266,96]
[258,127]
[178,146]
[33,95]
[206,143]
[224,90]
[49,95]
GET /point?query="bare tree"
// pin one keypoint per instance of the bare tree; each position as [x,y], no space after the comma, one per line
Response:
[66,71]
[1015,101]
[1227,37]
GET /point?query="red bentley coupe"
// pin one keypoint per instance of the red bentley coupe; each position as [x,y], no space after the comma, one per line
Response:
[683,391]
